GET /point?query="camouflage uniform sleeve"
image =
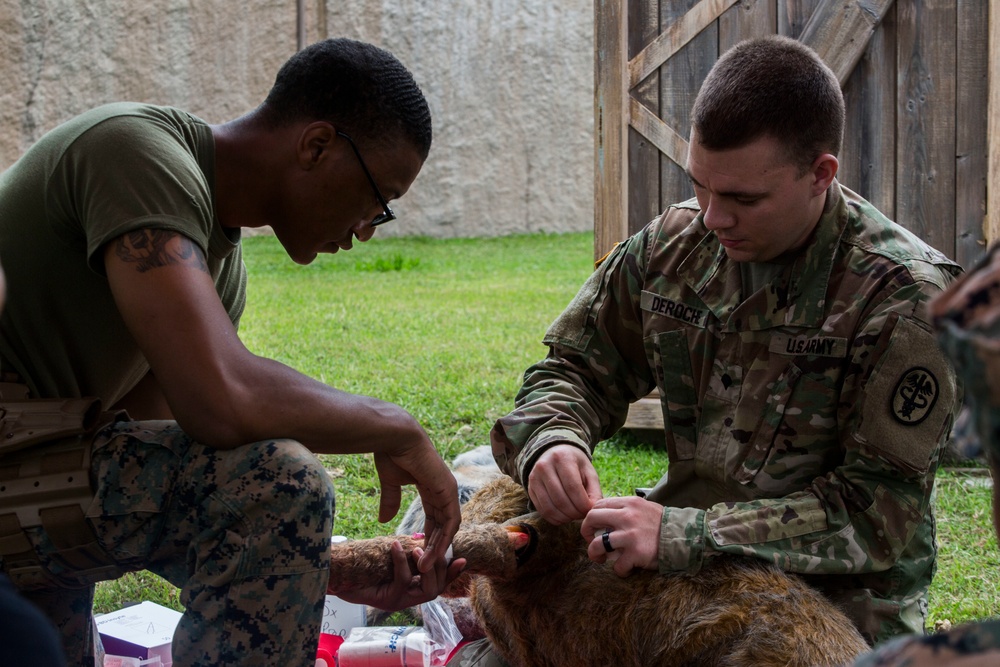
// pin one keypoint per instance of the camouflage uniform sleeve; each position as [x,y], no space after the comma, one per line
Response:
[580,393]
[894,412]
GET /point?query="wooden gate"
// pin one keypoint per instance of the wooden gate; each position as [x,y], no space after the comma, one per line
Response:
[915,78]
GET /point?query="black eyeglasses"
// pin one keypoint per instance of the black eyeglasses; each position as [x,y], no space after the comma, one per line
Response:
[386,215]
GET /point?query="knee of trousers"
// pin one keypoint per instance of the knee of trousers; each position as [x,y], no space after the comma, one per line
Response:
[291,499]
[310,488]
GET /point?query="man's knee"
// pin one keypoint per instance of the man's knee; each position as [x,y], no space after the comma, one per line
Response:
[297,494]
[257,511]
[304,474]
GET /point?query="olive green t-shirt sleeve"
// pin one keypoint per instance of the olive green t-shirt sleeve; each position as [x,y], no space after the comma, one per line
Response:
[127,173]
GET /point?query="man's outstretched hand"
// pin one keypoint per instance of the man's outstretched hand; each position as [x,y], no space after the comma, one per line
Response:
[407,589]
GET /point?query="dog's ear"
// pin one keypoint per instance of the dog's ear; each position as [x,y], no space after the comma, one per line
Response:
[519,539]
[524,538]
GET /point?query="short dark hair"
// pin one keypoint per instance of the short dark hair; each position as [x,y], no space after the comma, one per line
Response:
[362,89]
[771,86]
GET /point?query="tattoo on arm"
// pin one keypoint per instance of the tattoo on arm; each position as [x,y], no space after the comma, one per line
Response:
[151,248]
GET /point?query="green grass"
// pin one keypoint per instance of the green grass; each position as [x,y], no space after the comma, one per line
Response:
[445,328]
[966,585]
[446,335]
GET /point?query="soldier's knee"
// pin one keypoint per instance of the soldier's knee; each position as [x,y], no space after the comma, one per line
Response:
[302,484]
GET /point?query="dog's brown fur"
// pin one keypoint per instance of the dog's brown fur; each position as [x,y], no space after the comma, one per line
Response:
[548,605]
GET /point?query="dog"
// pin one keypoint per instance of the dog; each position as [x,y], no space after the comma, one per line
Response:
[543,603]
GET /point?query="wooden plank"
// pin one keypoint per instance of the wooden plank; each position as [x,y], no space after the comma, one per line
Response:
[680,79]
[643,156]
[793,16]
[645,414]
[839,31]
[675,36]
[925,174]
[610,128]
[971,126]
[993,170]
[752,18]
[868,157]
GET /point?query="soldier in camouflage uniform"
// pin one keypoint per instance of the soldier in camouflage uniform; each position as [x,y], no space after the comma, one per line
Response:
[120,235]
[783,321]
[968,320]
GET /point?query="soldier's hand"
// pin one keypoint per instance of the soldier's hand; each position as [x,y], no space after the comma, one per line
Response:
[563,484]
[633,533]
[420,464]
[405,589]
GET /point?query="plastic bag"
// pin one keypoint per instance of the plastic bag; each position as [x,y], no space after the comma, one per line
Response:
[442,630]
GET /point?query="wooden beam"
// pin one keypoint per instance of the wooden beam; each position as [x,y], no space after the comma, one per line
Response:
[643,197]
[674,38]
[679,82]
[971,123]
[610,125]
[661,135]
[839,32]
[925,121]
[992,230]
[300,24]
[868,155]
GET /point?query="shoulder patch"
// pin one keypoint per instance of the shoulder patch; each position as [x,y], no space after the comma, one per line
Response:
[598,263]
[914,396]
[907,407]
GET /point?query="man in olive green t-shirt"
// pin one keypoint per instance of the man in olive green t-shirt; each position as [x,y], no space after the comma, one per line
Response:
[120,234]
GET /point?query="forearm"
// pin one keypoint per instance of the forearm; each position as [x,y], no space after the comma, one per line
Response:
[145,400]
[580,393]
[844,523]
[263,398]
[270,400]
[560,402]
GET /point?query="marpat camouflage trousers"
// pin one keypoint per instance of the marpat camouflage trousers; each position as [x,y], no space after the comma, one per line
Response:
[243,533]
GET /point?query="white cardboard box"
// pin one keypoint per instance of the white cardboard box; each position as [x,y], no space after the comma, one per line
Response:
[340,616]
[141,631]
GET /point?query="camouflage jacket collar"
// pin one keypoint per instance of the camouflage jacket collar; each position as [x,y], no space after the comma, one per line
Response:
[796,297]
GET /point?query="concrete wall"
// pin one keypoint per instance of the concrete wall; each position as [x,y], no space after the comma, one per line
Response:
[509,82]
